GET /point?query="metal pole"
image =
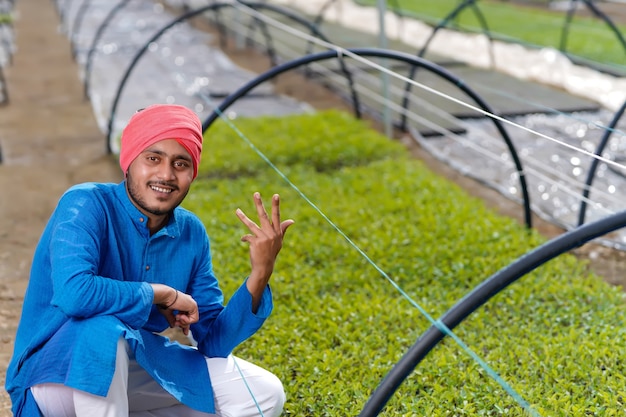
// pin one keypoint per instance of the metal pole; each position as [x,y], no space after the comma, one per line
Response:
[238,23]
[383,44]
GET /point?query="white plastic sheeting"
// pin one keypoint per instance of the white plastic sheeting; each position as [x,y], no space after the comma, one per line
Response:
[182,66]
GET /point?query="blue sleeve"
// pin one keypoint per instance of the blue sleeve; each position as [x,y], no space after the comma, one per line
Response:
[76,235]
[235,323]
[221,328]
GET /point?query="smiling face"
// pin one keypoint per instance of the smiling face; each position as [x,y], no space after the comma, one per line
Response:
[158,180]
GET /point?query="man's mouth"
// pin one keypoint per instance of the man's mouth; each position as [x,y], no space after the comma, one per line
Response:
[162,189]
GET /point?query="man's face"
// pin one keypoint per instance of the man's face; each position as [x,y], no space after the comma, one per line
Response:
[159,178]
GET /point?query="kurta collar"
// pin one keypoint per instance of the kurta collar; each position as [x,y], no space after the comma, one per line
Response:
[140,220]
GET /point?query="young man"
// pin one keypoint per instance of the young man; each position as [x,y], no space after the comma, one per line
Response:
[118,263]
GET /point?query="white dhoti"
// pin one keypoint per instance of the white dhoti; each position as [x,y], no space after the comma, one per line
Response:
[240,389]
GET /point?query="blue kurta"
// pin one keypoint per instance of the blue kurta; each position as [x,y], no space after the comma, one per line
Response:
[89,285]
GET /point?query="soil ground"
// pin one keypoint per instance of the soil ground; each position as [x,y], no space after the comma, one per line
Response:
[49,140]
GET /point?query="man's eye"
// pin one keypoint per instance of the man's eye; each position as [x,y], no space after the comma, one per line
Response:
[181,164]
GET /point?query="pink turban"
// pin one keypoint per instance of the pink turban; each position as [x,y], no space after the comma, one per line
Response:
[160,122]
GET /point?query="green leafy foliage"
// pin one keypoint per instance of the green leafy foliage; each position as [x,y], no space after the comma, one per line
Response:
[311,141]
[339,324]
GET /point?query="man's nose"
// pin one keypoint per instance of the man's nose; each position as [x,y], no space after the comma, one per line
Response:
[166,171]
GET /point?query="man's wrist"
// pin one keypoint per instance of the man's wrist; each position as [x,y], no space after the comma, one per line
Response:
[168,305]
[164,295]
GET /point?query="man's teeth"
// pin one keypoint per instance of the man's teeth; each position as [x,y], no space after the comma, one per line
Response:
[161,190]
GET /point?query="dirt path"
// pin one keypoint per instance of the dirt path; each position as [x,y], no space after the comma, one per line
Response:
[49,140]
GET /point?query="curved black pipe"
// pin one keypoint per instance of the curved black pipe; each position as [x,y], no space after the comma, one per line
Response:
[319,18]
[94,44]
[596,12]
[505,136]
[594,9]
[6,42]
[221,28]
[65,8]
[76,26]
[186,16]
[138,56]
[381,53]
[595,161]
[317,21]
[269,44]
[565,29]
[186,6]
[316,32]
[443,23]
[92,49]
[453,15]
[313,27]
[57,7]
[479,296]
[4,87]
